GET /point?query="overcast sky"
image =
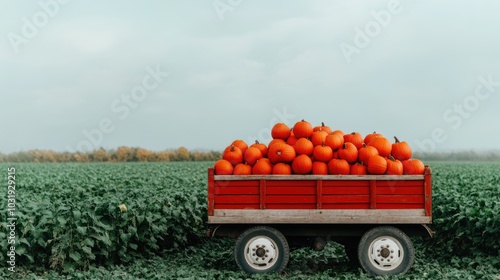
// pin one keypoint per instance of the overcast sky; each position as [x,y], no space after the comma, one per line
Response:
[79,75]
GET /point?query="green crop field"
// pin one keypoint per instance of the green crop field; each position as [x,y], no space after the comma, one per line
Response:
[147,221]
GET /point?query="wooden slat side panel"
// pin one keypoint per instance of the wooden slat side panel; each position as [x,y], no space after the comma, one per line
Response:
[400,184]
[419,190]
[341,190]
[345,199]
[291,206]
[236,184]
[401,199]
[428,191]
[290,199]
[211,192]
[318,177]
[400,206]
[299,190]
[346,206]
[237,190]
[240,199]
[223,206]
[291,184]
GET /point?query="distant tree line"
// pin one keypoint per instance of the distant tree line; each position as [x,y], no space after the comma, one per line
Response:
[122,154]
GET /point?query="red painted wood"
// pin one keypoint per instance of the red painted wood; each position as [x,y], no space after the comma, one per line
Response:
[319,194]
[290,183]
[428,191]
[262,184]
[399,206]
[290,199]
[239,199]
[291,190]
[237,206]
[237,190]
[211,192]
[345,199]
[340,190]
[373,194]
[400,190]
[346,183]
[346,206]
[292,206]
[401,199]
[237,184]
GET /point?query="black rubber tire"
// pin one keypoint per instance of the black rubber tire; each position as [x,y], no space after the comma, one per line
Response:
[279,244]
[383,236]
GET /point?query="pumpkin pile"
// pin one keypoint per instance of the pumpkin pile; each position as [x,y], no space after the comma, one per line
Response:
[305,149]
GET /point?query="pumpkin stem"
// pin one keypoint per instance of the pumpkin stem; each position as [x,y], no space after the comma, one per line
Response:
[364,145]
[343,146]
[322,124]
[232,148]
[323,143]
[396,138]
[257,142]
[391,158]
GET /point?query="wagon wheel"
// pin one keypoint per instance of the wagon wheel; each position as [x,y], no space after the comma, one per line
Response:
[385,251]
[261,249]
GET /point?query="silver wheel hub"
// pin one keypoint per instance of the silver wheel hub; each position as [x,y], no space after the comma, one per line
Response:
[261,252]
[386,253]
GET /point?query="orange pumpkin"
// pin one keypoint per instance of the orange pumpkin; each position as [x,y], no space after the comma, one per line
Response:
[394,166]
[262,167]
[318,137]
[233,154]
[349,152]
[355,138]
[282,169]
[322,153]
[358,169]
[281,152]
[240,144]
[323,127]
[401,150]
[274,141]
[319,168]
[382,144]
[223,167]
[370,136]
[304,146]
[242,169]
[413,167]
[302,164]
[302,129]
[252,155]
[280,131]
[262,147]
[292,139]
[338,167]
[365,153]
[377,165]
[334,141]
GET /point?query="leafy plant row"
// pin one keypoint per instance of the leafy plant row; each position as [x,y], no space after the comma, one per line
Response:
[72,216]
[69,215]
[466,208]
